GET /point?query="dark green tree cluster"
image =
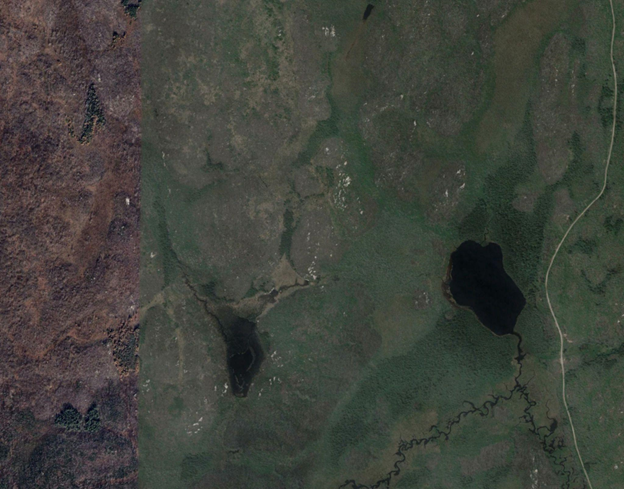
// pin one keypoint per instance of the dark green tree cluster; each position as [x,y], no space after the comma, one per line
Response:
[70,419]
[584,246]
[613,225]
[605,105]
[94,115]
[131,7]
[92,420]
[580,170]
[126,353]
[4,451]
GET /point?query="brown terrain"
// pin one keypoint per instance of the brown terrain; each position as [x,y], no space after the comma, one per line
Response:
[69,243]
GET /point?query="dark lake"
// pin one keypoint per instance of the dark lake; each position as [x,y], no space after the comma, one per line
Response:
[244,354]
[478,281]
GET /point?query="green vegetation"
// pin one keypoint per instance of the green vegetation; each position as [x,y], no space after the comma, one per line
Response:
[613,225]
[126,353]
[585,246]
[289,224]
[4,451]
[92,421]
[94,116]
[69,418]
[131,7]
[313,173]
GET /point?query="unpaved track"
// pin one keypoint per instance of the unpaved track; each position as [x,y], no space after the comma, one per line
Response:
[552,260]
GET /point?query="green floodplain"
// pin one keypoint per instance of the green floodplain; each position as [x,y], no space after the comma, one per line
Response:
[311,172]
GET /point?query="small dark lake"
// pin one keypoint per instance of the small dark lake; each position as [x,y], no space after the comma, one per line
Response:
[368,11]
[244,354]
[477,280]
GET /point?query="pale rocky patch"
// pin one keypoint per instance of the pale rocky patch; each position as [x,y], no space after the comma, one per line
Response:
[565,210]
[314,242]
[525,202]
[446,190]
